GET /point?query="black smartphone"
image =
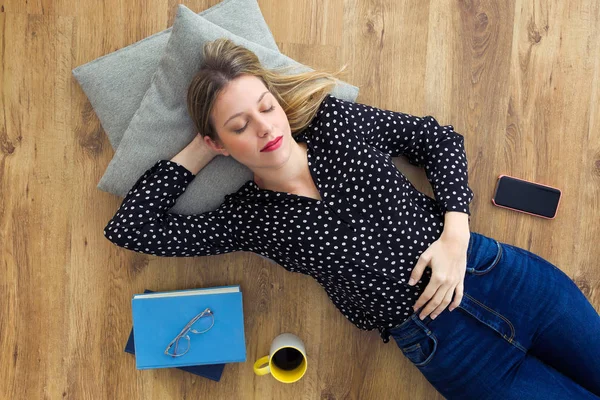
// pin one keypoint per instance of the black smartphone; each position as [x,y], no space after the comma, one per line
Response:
[527,197]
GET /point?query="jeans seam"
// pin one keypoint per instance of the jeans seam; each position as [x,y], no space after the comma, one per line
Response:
[417,347]
[409,336]
[512,328]
[431,335]
[494,263]
[411,348]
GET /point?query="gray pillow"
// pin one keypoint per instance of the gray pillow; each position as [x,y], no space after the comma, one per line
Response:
[116,83]
[161,127]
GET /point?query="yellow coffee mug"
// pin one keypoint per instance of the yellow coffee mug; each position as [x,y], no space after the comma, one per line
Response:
[286,360]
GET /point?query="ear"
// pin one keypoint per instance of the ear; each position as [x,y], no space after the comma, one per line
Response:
[215,146]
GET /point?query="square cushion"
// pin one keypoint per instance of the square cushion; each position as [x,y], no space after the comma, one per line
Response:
[116,83]
[162,127]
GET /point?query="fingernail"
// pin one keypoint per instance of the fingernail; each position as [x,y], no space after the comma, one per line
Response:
[433,316]
[421,317]
[411,281]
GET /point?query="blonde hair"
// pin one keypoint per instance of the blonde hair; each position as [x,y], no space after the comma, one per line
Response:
[300,95]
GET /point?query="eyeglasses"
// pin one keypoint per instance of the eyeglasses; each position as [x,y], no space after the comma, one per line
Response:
[182,346]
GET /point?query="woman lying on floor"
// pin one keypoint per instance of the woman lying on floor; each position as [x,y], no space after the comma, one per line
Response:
[487,320]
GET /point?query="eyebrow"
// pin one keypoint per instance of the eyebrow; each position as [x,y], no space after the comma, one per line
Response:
[240,113]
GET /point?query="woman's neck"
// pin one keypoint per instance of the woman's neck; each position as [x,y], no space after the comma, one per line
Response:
[293,174]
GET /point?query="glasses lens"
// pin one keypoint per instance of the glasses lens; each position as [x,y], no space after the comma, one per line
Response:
[203,323]
[181,346]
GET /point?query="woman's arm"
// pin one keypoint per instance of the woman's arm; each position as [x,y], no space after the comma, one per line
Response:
[456,226]
[426,143]
[195,155]
[143,222]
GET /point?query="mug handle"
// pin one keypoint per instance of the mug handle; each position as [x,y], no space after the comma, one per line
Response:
[258,370]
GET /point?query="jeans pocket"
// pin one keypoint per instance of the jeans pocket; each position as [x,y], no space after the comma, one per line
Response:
[417,343]
[487,267]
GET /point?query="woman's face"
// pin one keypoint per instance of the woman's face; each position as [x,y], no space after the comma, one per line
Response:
[247,117]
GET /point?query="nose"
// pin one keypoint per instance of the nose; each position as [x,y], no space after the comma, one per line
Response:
[264,126]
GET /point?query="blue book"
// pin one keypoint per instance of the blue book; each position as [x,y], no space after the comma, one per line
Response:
[160,316]
[210,371]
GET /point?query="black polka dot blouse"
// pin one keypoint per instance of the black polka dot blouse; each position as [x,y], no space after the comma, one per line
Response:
[360,242]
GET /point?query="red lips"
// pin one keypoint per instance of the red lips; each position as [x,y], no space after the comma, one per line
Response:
[272,143]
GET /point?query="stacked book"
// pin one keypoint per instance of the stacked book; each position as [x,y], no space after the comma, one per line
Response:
[164,318]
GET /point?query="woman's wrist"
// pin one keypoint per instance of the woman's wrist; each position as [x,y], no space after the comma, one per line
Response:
[195,156]
[456,226]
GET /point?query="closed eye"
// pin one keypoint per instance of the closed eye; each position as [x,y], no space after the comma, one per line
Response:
[244,127]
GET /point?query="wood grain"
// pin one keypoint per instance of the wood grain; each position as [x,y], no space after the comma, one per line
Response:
[519,79]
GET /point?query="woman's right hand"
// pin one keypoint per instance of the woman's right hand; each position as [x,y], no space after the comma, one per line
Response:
[196,155]
[202,143]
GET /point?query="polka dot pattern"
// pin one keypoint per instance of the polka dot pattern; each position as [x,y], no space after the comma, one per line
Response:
[359,242]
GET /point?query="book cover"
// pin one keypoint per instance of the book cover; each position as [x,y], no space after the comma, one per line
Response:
[159,317]
[210,371]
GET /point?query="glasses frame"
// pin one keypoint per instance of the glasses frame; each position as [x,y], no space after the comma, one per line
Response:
[188,328]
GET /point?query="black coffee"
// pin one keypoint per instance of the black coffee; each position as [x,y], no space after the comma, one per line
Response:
[288,358]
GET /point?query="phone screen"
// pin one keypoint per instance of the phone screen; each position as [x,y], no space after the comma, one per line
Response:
[527,196]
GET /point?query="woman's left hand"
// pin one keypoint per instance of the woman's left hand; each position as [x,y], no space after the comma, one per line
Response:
[447,257]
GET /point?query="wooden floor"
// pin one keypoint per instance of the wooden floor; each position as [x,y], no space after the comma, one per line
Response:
[519,79]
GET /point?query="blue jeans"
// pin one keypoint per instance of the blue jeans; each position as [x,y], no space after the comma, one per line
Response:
[523,330]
